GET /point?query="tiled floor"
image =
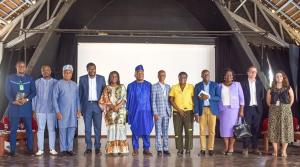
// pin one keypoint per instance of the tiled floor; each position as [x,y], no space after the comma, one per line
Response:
[237,159]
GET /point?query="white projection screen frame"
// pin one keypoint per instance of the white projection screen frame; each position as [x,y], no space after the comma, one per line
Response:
[123,57]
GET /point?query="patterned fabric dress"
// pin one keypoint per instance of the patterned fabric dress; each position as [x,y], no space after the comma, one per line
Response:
[280,128]
[115,120]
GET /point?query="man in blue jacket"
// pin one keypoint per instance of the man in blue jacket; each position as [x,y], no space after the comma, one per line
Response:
[20,90]
[90,90]
[206,98]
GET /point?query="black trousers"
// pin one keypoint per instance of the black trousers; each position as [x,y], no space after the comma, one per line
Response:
[253,118]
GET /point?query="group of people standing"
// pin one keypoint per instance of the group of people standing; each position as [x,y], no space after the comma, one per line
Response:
[144,106]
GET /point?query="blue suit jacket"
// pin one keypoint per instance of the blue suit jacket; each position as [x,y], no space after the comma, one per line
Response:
[11,89]
[215,97]
[84,90]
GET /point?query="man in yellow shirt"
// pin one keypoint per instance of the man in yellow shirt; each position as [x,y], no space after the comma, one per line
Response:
[181,98]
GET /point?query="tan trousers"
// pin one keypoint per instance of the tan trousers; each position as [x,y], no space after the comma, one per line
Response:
[207,122]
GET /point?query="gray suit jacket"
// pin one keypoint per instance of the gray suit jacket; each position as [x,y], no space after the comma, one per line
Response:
[159,101]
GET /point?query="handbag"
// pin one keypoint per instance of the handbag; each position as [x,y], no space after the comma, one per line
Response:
[242,129]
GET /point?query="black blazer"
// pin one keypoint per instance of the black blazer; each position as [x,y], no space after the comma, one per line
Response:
[259,93]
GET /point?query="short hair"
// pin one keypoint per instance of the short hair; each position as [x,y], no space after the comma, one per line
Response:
[203,71]
[110,77]
[45,65]
[20,62]
[182,73]
[252,66]
[227,70]
[161,71]
[90,64]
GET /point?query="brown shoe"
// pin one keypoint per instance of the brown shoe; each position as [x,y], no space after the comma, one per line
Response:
[135,153]
[147,153]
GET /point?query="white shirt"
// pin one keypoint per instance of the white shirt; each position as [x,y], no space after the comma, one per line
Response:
[163,86]
[92,89]
[252,87]
[225,94]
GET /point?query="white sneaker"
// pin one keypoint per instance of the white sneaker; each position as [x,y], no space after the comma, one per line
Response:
[53,152]
[40,152]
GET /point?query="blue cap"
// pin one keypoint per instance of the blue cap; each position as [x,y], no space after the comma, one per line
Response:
[139,67]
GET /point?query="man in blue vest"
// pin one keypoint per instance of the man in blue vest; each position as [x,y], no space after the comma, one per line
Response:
[20,90]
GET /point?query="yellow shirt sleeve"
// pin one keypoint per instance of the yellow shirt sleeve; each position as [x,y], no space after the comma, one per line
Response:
[192,87]
[172,91]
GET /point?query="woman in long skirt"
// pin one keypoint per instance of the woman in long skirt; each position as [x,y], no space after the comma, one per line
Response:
[280,98]
[113,103]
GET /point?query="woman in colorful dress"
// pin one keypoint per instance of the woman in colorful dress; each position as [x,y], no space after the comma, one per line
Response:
[280,98]
[113,103]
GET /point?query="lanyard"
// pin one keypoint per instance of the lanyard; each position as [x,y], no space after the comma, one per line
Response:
[21,86]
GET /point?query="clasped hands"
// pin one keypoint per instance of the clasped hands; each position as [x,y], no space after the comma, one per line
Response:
[20,102]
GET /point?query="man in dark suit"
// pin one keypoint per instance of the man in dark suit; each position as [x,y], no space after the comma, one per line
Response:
[90,90]
[253,94]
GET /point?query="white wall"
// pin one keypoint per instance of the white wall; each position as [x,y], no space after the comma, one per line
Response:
[123,57]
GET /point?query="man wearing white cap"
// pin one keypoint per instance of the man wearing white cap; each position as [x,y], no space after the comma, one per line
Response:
[67,107]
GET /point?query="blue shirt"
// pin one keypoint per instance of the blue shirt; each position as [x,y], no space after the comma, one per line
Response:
[42,103]
[206,89]
[14,84]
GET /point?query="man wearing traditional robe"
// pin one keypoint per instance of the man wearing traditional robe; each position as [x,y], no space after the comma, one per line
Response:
[140,115]
[67,107]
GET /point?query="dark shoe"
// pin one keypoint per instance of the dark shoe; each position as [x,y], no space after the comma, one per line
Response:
[98,152]
[180,152]
[63,153]
[159,153]
[12,154]
[167,153]
[135,153]
[87,151]
[147,153]
[30,153]
[71,153]
[202,153]
[187,152]
[211,152]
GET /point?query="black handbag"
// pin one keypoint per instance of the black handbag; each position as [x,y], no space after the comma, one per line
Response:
[242,130]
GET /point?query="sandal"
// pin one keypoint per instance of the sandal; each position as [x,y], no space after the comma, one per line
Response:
[229,153]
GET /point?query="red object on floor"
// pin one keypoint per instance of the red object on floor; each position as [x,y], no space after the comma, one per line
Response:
[5,121]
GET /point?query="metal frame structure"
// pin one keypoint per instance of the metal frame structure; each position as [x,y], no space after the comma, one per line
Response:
[36,10]
[288,6]
[277,36]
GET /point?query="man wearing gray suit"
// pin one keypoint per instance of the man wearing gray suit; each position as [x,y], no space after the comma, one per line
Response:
[162,112]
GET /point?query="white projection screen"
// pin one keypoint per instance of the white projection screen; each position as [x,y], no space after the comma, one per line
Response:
[123,57]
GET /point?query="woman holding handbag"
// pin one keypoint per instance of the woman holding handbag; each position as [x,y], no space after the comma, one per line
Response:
[230,107]
[280,98]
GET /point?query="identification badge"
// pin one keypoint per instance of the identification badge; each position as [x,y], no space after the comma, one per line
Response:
[277,103]
[21,87]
